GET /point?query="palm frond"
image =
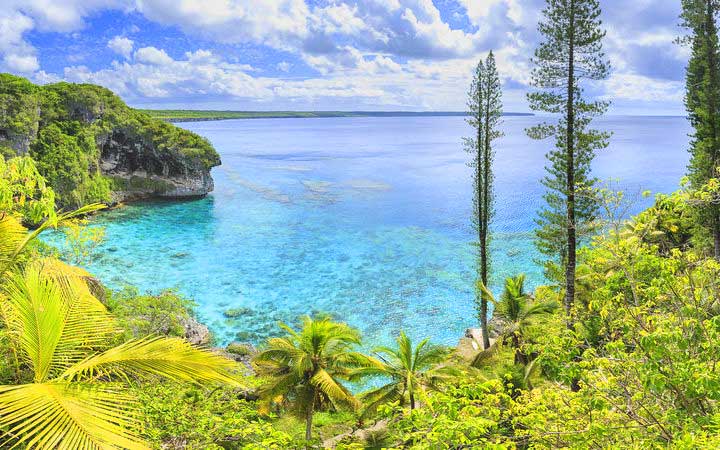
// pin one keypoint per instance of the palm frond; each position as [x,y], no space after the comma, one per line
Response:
[335,391]
[69,417]
[14,244]
[484,355]
[385,394]
[54,319]
[171,358]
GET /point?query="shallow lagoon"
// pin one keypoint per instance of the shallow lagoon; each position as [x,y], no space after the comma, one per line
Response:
[363,218]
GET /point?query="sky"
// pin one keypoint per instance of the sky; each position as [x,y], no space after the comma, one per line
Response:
[327,54]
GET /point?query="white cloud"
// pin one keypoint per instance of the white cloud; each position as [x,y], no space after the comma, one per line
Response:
[401,48]
[152,55]
[629,86]
[121,45]
[21,63]
[273,22]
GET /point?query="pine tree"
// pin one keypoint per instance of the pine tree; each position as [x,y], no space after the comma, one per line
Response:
[702,101]
[485,112]
[570,54]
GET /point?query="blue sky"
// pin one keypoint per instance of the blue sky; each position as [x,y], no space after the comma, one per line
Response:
[325,54]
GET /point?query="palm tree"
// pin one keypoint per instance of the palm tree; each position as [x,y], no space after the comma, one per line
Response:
[517,311]
[306,367]
[70,390]
[410,372]
[75,394]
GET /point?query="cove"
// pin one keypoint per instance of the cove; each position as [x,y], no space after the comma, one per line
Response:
[365,218]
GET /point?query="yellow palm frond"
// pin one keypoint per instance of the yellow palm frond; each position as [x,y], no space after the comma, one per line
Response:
[69,417]
[12,234]
[336,392]
[14,237]
[172,358]
[55,320]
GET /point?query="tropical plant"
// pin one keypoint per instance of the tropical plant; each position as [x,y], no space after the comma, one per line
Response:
[23,191]
[306,367]
[73,392]
[517,311]
[15,238]
[409,371]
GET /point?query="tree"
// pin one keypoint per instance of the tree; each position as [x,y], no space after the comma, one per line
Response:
[570,53]
[485,112]
[306,367]
[517,311]
[409,372]
[702,101]
[70,390]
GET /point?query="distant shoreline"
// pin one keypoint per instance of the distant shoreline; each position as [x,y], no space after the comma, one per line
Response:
[177,115]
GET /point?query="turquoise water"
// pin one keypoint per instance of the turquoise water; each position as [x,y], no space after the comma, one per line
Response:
[364,218]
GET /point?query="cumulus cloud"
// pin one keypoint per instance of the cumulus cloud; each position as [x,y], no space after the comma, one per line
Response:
[121,45]
[394,52]
[152,55]
[278,23]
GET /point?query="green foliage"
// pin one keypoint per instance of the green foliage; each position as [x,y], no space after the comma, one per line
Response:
[464,415]
[517,312]
[20,104]
[240,349]
[24,191]
[306,368]
[408,372]
[66,127]
[64,383]
[150,315]
[199,418]
[81,240]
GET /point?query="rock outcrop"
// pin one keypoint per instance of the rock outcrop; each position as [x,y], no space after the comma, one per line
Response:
[92,147]
[139,171]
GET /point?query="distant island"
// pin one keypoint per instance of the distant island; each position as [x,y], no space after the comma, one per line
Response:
[190,115]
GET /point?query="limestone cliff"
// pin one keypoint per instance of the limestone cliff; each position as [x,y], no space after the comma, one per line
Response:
[92,147]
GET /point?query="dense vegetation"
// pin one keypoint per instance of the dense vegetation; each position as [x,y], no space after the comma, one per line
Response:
[65,127]
[632,361]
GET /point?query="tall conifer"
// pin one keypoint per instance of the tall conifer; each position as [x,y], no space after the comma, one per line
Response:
[702,101]
[485,113]
[570,54]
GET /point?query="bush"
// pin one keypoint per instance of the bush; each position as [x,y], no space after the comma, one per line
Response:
[146,315]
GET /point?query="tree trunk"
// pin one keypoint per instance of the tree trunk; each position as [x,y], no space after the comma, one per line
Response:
[412,401]
[519,356]
[570,173]
[309,419]
[486,220]
[716,235]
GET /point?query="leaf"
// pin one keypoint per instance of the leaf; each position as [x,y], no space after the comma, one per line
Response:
[171,358]
[69,417]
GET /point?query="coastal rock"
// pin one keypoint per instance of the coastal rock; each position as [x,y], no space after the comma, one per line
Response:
[111,152]
[195,332]
[239,352]
[141,170]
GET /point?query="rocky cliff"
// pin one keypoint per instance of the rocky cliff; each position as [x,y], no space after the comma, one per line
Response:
[92,147]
